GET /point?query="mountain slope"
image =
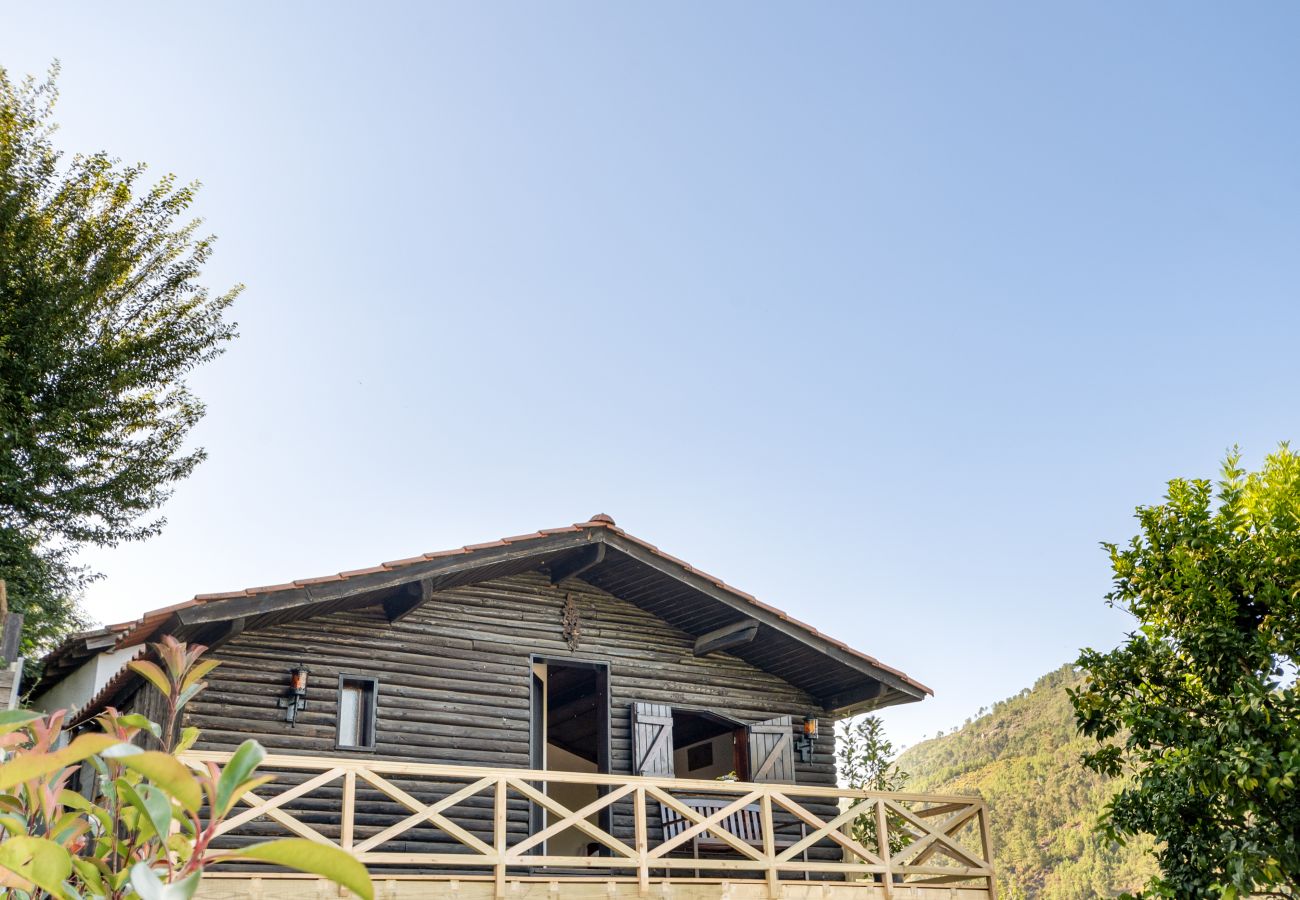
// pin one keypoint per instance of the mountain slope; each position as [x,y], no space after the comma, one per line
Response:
[1023,758]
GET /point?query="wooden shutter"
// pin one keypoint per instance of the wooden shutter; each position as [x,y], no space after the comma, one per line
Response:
[652,739]
[771,750]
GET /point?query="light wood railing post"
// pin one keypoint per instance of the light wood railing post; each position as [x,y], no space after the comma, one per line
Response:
[348,817]
[499,837]
[846,856]
[347,825]
[882,848]
[986,845]
[642,842]
[769,846]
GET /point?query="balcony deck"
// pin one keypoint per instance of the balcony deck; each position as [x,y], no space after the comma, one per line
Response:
[460,831]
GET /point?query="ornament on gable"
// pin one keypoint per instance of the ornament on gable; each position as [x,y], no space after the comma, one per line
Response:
[572,626]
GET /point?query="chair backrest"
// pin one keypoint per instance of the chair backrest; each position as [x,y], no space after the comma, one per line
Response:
[745,823]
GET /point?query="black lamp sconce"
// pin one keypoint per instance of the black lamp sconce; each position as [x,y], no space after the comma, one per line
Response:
[804,742]
[296,697]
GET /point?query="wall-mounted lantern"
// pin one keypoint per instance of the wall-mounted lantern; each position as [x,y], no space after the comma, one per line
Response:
[804,742]
[296,697]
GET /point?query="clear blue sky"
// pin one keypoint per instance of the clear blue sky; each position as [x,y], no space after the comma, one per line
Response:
[887,313]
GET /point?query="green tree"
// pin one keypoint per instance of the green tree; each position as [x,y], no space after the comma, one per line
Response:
[865,757]
[1199,707]
[101,319]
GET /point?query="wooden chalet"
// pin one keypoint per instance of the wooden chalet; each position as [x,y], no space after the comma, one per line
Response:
[569,713]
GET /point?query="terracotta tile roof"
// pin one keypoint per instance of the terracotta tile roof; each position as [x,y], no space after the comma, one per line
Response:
[142,629]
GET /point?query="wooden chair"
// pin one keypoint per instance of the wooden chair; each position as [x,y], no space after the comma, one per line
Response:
[745,823]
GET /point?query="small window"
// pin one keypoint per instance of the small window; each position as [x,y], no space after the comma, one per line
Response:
[700,756]
[357,696]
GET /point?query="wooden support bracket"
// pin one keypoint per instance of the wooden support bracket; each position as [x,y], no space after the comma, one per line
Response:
[408,600]
[868,691]
[222,633]
[574,565]
[732,635]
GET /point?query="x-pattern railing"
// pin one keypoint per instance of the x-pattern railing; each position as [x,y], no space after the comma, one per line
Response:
[929,828]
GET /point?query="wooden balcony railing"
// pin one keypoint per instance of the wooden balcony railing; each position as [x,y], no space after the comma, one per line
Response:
[440,822]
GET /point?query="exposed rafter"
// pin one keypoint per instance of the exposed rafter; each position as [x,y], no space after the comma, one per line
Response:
[732,635]
[222,632]
[851,698]
[408,599]
[575,565]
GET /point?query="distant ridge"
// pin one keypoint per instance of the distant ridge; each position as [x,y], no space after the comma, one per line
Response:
[1023,758]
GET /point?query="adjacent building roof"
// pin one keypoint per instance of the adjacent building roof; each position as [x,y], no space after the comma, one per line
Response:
[843,680]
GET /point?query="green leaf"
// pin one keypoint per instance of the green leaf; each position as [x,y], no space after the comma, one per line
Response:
[242,763]
[168,773]
[154,805]
[90,874]
[12,823]
[13,719]
[146,883]
[30,766]
[189,735]
[135,720]
[130,803]
[199,670]
[155,675]
[40,861]
[251,784]
[303,855]
[73,800]
[188,694]
[68,827]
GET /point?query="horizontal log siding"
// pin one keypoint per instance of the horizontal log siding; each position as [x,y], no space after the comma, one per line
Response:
[454,689]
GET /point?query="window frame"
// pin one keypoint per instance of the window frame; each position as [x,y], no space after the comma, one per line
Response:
[369,685]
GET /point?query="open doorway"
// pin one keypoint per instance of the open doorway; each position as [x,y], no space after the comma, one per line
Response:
[708,746]
[570,733]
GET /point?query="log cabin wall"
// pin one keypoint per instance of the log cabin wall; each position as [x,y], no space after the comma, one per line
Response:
[454,686]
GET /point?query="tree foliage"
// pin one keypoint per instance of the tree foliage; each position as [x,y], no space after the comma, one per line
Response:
[101,319]
[148,831]
[1199,707]
[864,756]
[1022,757]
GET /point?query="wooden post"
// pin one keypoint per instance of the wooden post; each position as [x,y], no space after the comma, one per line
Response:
[11,629]
[845,854]
[347,826]
[348,816]
[499,837]
[769,846]
[642,842]
[986,844]
[882,848]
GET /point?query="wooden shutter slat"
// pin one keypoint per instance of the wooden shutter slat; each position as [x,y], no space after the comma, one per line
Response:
[771,750]
[652,739]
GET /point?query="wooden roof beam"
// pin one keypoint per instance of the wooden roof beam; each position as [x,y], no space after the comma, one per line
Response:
[857,698]
[222,632]
[575,565]
[408,600]
[732,635]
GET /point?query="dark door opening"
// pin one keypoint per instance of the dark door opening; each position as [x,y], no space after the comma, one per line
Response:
[570,734]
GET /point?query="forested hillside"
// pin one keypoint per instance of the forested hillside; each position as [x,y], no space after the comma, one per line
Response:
[1023,758]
